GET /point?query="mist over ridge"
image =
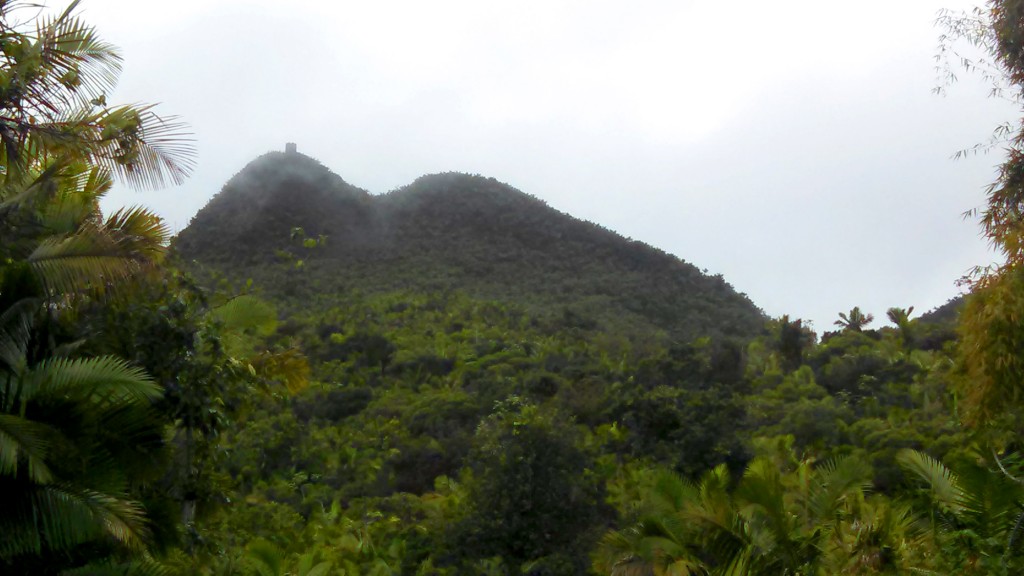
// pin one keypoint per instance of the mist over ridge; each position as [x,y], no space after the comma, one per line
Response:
[449,232]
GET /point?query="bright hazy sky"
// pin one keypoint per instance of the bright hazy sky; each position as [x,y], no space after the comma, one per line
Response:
[793,146]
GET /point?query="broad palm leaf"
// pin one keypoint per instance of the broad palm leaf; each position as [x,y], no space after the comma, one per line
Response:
[245,317]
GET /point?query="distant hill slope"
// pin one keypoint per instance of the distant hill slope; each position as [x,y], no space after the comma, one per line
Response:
[948,313]
[450,232]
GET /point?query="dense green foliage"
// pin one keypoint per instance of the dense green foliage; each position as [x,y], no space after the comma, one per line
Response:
[461,436]
[455,379]
[79,436]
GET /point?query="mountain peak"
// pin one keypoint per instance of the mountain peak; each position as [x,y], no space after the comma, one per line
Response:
[266,200]
[456,193]
[451,231]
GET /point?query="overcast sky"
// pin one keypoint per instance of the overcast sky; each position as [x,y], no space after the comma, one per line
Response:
[793,146]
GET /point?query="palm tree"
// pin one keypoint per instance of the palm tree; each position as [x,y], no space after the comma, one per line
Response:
[59,146]
[65,477]
[855,320]
[54,111]
[75,433]
[901,318]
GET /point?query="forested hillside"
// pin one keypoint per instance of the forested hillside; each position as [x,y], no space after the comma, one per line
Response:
[455,379]
[303,234]
[461,421]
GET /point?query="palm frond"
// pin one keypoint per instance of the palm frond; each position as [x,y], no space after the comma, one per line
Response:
[69,206]
[667,525]
[671,491]
[144,149]
[763,494]
[138,232]
[105,378]
[833,482]
[127,440]
[619,554]
[95,255]
[944,486]
[70,514]
[15,333]
[739,565]
[883,536]
[57,517]
[98,183]
[266,558]
[22,190]
[24,439]
[82,62]
[307,565]
[88,259]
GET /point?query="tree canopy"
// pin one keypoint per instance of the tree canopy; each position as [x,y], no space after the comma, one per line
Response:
[168,417]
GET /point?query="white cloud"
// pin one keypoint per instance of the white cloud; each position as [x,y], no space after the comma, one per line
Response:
[780,143]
